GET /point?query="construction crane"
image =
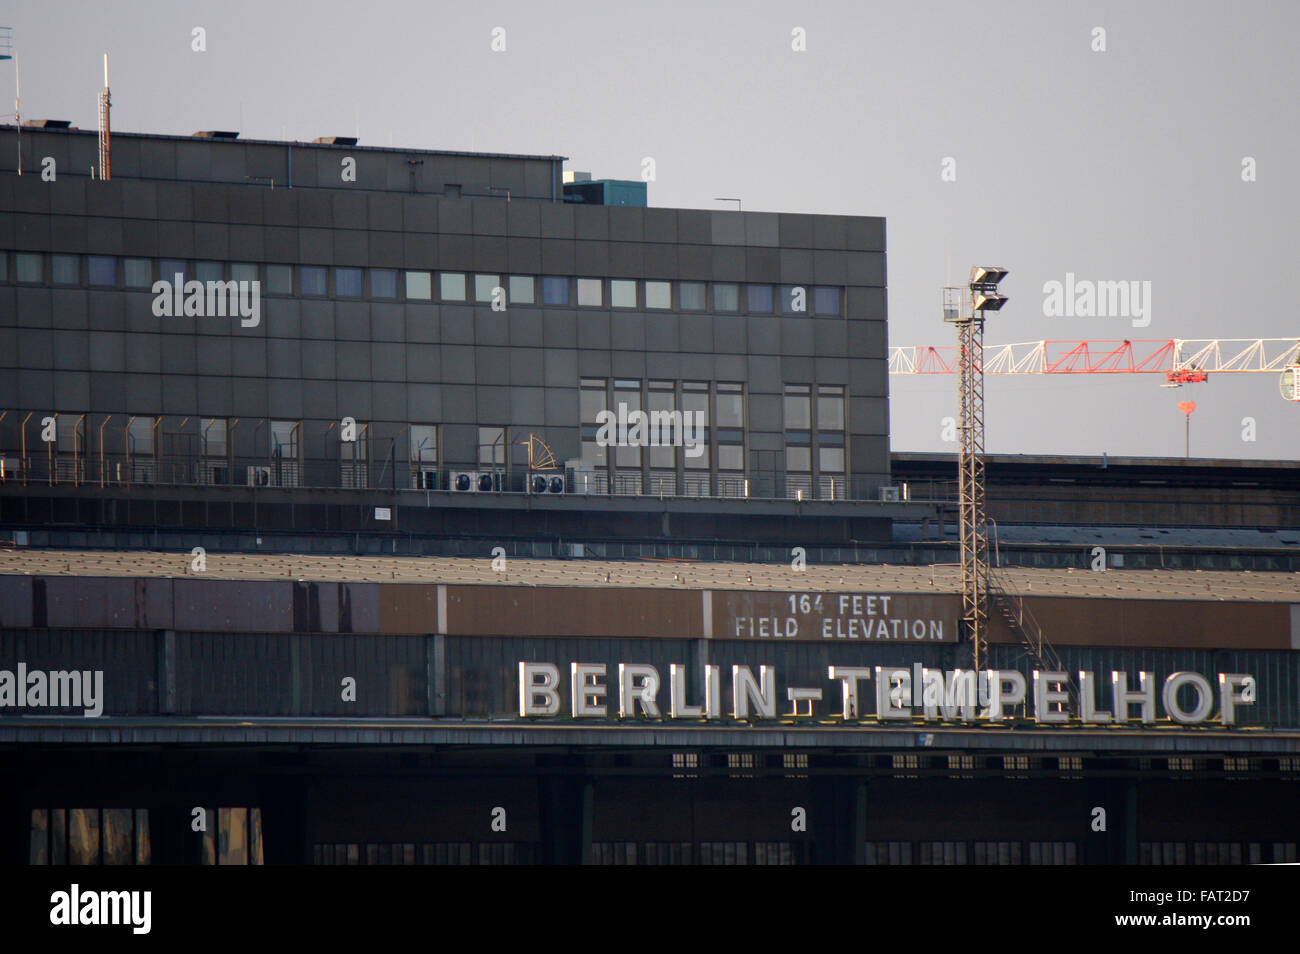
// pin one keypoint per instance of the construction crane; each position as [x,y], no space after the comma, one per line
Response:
[1180,360]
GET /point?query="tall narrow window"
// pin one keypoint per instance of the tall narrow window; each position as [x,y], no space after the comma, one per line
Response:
[283,452]
[665,436]
[215,465]
[593,399]
[424,456]
[627,454]
[798,440]
[831,432]
[729,432]
[696,459]
[354,458]
[140,441]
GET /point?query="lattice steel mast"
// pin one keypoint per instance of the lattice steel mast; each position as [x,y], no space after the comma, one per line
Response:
[968,315]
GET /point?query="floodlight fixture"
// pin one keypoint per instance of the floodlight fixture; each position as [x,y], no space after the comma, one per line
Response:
[983,301]
[987,275]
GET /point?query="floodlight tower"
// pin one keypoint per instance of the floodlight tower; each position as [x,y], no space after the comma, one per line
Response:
[967,313]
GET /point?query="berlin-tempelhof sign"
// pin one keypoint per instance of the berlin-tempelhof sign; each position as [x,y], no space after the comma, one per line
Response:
[1186,698]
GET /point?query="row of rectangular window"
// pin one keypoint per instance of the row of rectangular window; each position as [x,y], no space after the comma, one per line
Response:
[416,285]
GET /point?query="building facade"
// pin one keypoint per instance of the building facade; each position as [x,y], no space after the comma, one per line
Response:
[422,316]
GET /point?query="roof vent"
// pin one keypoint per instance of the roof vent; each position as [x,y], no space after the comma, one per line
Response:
[336,140]
[216,134]
[48,123]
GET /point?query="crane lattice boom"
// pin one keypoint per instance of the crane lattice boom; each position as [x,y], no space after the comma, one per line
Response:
[1173,357]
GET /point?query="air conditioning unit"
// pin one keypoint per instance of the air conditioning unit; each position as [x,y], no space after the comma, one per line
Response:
[259,476]
[581,476]
[426,479]
[890,495]
[474,481]
[463,481]
[545,482]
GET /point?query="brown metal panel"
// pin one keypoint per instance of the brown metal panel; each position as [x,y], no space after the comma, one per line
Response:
[232,826]
[143,844]
[573,611]
[117,836]
[83,836]
[1180,624]
[839,617]
[408,607]
[40,837]
[255,856]
[58,836]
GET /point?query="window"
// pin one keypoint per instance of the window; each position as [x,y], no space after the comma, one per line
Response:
[555,291]
[279,279]
[690,296]
[140,436]
[830,408]
[662,399]
[485,287]
[451,286]
[169,269]
[102,270]
[138,272]
[424,456]
[726,297]
[313,280]
[65,270]
[4,266]
[243,272]
[419,286]
[521,291]
[622,293]
[591,401]
[797,416]
[589,295]
[758,299]
[628,392]
[383,283]
[347,282]
[354,455]
[658,294]
[695,401]
[492,447]
[283,451]
[208,271]
[212,436]
[28,267]
[826,301]
[794,300]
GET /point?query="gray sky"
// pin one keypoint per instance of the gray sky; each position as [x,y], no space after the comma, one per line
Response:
[1116,165]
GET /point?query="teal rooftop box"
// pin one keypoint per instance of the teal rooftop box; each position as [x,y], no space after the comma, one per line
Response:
[606,192]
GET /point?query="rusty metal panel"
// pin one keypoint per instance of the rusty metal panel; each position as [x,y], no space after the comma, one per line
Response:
[408,607]
[108,603]
[850,617]
[241,606]
[1183,624]
[573,611]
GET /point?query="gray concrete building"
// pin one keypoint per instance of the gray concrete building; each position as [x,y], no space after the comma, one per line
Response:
[448,312]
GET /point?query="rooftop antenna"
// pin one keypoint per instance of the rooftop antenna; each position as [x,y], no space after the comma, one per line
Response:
[105,146]
[7,53]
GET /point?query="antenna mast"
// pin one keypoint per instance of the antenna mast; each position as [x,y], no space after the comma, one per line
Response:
[105,145]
